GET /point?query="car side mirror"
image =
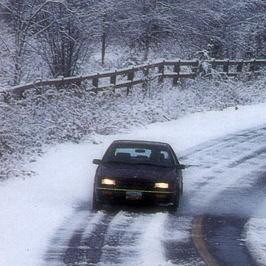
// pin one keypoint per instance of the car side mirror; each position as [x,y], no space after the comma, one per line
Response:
[181,166]
[96,161]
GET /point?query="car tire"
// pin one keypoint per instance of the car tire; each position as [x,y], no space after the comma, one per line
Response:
[175,203]
[96,205]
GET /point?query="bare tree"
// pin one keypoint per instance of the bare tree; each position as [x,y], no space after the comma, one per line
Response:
[22,17]
[61,38]
[146,24]
[100,18]
[18,15]
[62,32]
[250,28]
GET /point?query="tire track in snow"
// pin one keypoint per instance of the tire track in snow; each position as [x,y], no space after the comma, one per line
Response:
[225,154]
[116,238]
[228,141]
[227,167]
[87,248]
[78,248]
[60,243]
[66,248]
[99,239]
[143,241]
[134,239]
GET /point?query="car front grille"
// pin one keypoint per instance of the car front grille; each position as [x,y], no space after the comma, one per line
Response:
[132,183]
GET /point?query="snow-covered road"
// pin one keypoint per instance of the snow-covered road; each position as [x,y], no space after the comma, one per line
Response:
[222,188]
[46,220]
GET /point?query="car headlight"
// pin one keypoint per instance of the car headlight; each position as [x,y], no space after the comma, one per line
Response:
[161,185]
[108,181]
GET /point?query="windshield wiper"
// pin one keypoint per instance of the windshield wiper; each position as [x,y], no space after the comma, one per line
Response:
[153,164]
[138,163]
[114,161]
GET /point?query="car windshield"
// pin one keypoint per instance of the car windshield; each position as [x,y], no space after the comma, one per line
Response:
[139,154]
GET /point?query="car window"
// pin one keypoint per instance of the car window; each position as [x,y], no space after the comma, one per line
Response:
[165,155]
[134,152]
[140,154]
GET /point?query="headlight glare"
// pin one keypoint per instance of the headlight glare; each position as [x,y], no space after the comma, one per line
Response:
[161,185]
[108,181]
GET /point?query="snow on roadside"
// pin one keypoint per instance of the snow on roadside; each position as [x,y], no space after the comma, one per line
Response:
[32,209]
[197,128]
[256,239]
[255,234]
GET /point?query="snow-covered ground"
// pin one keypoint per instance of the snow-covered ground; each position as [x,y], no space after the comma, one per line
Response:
[32,209]
[256,234]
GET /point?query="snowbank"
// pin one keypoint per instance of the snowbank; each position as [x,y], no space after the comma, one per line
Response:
[32,209]
[255,234]
[256,238]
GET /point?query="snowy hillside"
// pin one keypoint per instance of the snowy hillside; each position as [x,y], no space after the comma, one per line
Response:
[67,115]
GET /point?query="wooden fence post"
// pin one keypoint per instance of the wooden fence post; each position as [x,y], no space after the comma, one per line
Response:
[146,74]
[226,67]
[113,80]
[78,82]
[161,72]
[130,77]
[213,64]
[146,70]
[177,71]
[195,69]
[95,83]
[252,66]
[239,67]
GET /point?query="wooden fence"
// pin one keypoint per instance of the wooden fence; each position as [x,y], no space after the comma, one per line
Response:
[142,74]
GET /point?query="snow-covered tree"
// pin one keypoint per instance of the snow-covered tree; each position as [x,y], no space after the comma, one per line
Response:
[61,38]
[18,17]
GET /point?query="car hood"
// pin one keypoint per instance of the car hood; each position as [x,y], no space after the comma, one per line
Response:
[137,171]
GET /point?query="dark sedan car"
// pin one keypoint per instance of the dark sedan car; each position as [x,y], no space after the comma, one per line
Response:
[138,171]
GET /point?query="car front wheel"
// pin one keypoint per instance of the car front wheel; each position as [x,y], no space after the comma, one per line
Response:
[174,203]
[96,205]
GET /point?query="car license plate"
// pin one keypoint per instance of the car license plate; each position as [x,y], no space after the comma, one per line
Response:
[133,195]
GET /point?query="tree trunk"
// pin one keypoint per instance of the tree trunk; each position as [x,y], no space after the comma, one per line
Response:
[147,49]
[103,47]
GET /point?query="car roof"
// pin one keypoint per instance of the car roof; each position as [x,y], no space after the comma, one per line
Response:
[142,142]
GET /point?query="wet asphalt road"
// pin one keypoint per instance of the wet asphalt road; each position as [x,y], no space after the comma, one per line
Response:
[118,237]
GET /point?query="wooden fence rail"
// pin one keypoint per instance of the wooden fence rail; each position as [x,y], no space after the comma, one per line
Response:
[141,74]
